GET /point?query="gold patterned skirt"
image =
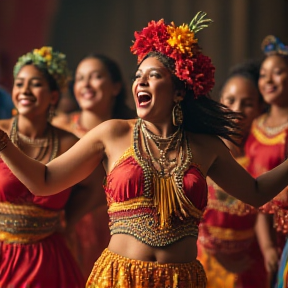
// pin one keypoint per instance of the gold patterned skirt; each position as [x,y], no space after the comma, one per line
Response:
[112,270]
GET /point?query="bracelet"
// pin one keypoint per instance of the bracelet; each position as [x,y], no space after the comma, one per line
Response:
[3,140]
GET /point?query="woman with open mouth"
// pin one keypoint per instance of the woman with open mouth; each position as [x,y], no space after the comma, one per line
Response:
[156,165]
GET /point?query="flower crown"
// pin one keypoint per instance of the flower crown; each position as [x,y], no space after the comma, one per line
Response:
[272,45]
[180,44]
[54,62]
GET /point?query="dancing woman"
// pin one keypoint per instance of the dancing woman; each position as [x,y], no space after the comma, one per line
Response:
[156,165]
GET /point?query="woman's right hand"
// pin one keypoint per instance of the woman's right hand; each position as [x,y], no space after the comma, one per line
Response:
[271,259]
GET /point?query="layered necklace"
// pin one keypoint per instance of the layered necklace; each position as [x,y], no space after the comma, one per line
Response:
[164,165]
[165,173]
[43,144]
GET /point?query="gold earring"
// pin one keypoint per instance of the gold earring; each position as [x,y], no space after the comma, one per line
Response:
[177,115]
[51,113]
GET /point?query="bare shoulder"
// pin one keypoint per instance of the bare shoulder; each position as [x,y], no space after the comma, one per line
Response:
[115,127]
[5,125]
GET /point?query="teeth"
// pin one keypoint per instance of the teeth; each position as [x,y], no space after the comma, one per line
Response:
[143,94]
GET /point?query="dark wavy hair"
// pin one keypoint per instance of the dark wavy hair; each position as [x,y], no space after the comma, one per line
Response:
[120,110]
[203,114]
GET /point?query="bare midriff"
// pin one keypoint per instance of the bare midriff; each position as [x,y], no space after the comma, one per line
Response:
[182,251]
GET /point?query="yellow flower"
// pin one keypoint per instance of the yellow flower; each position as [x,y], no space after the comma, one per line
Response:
[182,38]
[48,57]
[44,51]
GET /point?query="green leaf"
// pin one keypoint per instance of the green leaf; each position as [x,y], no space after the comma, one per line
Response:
[198,22]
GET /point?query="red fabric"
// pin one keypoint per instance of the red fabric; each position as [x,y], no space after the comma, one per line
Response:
[232,219]
[126,181]
[47,263]
[265,153]
[214,217]
[264,156]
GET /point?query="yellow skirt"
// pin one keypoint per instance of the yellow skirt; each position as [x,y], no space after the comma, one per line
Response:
[112,270]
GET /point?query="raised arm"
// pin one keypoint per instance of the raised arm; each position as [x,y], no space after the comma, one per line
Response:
[235,180]
[64,171]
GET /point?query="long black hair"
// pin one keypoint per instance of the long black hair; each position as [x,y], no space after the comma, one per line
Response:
[120,110]
[202,114]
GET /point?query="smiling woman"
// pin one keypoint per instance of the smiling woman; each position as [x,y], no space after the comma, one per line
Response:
[155,171]
[269,137]
[100,93]
[32,252]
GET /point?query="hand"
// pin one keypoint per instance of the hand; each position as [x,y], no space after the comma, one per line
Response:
[271,259]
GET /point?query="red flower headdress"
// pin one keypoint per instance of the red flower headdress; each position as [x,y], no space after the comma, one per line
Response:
[180,44]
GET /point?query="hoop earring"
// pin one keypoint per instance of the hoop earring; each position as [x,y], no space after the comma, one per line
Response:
[177,115]
[51,113]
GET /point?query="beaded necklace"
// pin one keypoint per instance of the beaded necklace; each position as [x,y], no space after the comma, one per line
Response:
[167,193]
[163,165]
[42,143]
[271,131]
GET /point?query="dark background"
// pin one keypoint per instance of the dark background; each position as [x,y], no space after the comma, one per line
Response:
[77,27]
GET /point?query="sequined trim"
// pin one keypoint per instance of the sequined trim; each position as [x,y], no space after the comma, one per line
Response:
[280,214]
[230,234]
[26,223]
[112,270]
[213,242]
[138,217]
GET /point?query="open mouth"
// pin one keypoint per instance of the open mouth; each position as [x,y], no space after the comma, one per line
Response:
[143,98]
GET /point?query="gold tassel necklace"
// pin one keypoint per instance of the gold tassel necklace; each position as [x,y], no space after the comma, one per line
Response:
[168,194]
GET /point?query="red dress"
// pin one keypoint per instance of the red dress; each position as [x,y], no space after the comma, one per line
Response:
[266,150]
[35,264]
[228,227]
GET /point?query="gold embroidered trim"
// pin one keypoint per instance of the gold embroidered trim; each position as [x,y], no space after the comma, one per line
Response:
[130,204]
[129,152]
[230,234]
[26,223]
[138,217]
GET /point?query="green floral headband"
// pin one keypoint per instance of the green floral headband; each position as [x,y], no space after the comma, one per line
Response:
[54,62]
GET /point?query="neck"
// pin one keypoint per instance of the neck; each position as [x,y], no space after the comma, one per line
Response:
[161,129]
[32,128]
[89,119]
[277,115]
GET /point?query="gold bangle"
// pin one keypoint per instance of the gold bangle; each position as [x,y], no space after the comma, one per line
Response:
[3,140]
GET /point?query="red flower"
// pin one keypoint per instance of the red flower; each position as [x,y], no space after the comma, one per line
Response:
[196,71]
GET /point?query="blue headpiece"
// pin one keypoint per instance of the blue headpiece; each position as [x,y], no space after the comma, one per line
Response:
[272,45]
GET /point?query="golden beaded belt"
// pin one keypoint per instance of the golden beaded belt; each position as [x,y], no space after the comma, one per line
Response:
[26,223]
